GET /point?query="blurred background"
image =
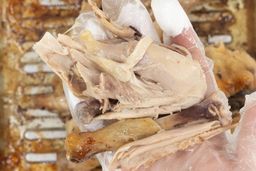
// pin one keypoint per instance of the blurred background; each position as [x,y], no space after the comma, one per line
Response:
[33,111]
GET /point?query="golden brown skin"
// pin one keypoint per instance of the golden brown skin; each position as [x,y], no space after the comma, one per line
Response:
[81,146]
[234,71]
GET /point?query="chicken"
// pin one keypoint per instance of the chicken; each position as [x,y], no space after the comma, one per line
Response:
[235,71]
[130,76]
[138,81]
[81,146]
[139,153]
[128,82]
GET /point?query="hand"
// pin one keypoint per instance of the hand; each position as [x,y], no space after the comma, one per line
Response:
[224,152]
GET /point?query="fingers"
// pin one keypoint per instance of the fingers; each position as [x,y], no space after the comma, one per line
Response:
[246,140]
[170,16]
[131,13]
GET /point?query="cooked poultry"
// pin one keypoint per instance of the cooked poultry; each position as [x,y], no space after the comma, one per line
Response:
[132,78]
[81,146]
[139,79]
[129,77]
[143,152]
[235,71]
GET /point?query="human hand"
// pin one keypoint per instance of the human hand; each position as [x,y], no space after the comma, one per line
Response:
[224,152]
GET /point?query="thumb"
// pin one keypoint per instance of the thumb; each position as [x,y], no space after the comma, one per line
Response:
[246,140]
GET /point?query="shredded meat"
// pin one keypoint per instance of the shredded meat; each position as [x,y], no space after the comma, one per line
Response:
[139,82]
[164,98]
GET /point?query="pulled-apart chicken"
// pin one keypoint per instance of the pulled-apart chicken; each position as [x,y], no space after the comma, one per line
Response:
[143,79]
[117,73]
[134,79]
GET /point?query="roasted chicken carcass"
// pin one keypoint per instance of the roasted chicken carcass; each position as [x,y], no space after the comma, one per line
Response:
[152,99]
[235,71]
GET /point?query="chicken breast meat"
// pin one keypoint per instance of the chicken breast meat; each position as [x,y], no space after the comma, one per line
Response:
[144,79]
[153,95]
